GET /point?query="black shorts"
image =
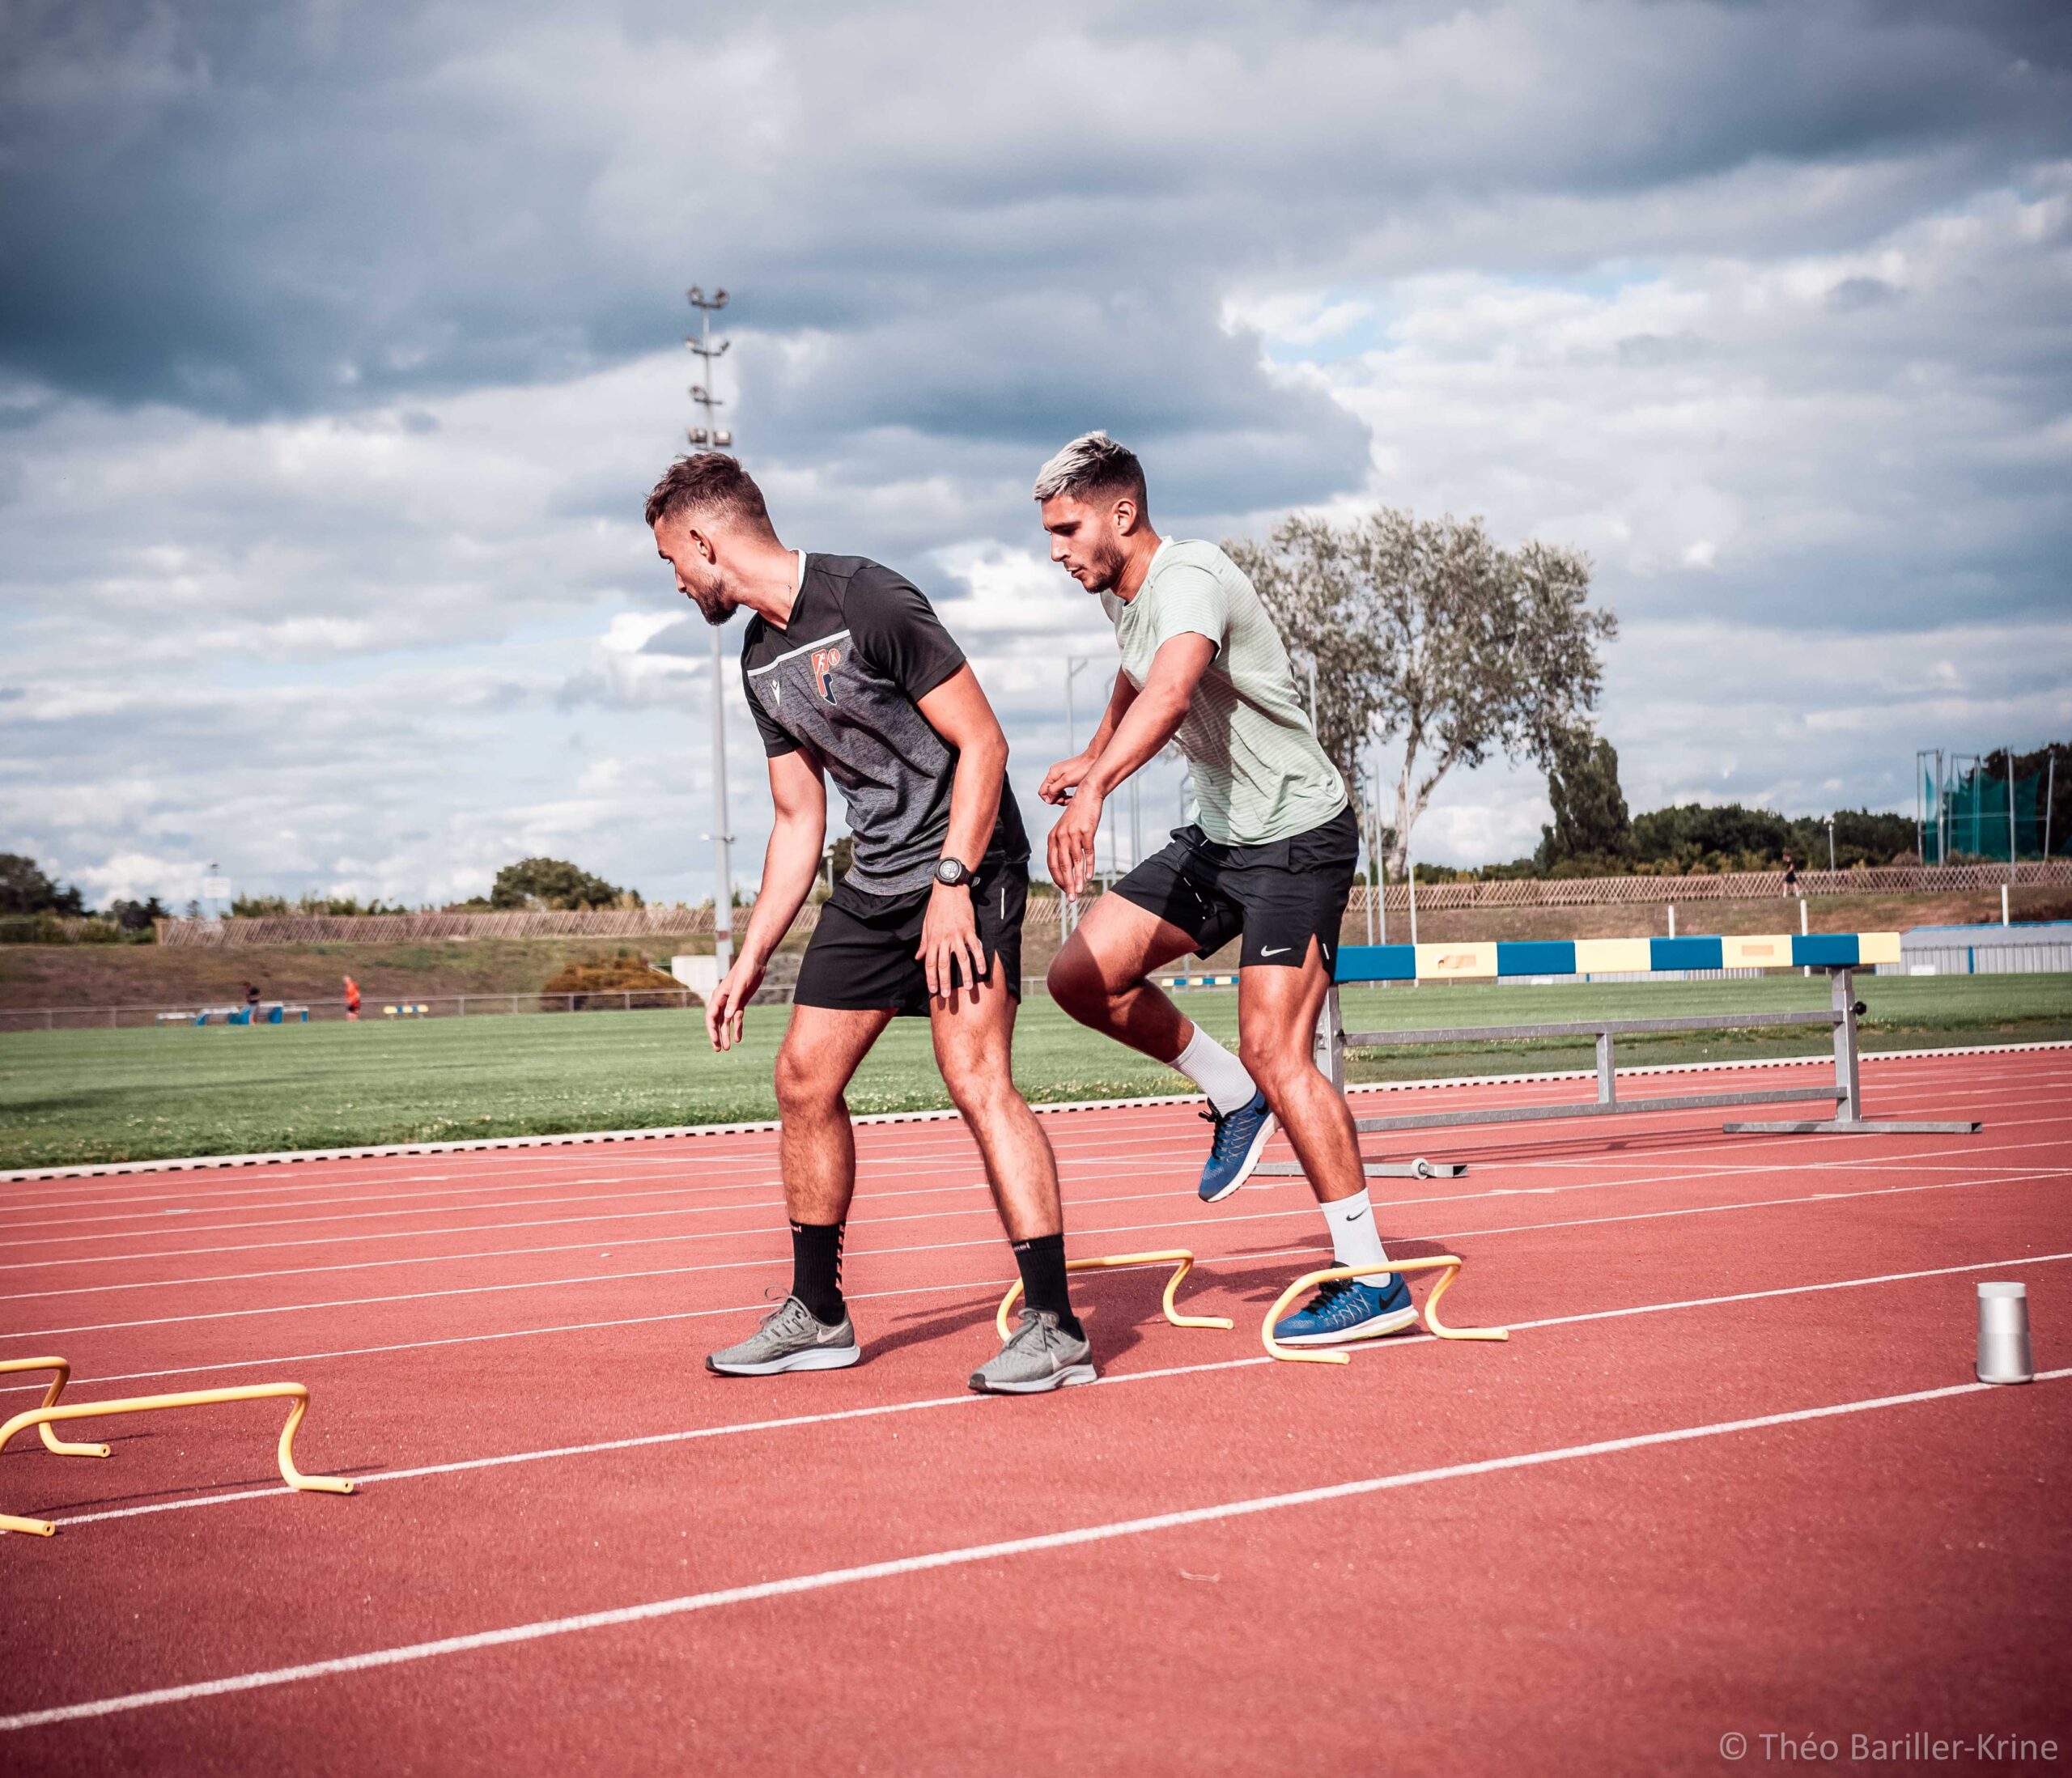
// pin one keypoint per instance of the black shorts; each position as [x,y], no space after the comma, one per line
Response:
[860,957]
[1278,897]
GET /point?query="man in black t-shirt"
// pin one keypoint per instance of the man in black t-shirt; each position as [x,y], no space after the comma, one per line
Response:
[850,675]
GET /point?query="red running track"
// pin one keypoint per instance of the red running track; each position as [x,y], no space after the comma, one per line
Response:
[1730,1475]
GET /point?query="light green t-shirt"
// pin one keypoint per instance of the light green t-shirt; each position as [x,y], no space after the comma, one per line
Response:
[1257,771]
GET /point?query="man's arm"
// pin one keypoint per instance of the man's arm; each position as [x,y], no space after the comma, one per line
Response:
[957,710]
[1066,776]
[1146,722]
[790,863]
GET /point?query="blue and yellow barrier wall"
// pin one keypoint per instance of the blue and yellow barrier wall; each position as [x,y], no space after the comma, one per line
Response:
[1493,961]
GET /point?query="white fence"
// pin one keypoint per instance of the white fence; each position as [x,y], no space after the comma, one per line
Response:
[1989,958]
[639,922]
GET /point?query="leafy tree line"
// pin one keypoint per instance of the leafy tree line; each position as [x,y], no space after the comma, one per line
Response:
[552,883]
[1429,632]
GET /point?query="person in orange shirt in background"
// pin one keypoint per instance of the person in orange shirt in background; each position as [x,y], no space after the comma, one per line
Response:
[352,999]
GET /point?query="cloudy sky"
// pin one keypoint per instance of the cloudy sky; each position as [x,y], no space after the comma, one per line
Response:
[340,343]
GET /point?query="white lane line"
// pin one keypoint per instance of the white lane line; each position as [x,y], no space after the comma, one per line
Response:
[933,1560]
[704,1132]
[1960,1159]
[1079,1233]
[145,1225]
[642,1321]
[154,1224]
[731,1429]
[1960,1154]
[527,1173]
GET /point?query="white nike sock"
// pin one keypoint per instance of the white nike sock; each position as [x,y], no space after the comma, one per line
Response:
[1217,1072]
[1354,1239]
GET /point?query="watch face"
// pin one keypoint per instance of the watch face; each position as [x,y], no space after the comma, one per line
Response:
[949,871]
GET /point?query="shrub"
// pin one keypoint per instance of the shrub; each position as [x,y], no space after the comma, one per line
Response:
[606,980]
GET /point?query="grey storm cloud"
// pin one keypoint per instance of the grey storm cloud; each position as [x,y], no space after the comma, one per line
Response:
[339,347]
[260,209]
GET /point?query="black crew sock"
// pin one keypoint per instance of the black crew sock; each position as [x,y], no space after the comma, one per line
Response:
[817,1269]
[1043,1263]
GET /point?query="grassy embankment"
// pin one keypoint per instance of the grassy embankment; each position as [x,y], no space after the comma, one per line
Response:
[83,1095]
[60,975]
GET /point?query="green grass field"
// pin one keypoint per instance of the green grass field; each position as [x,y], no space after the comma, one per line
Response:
[93,1096]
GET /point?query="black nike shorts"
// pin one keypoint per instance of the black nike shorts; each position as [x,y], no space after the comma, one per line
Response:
[1280,897]
[860,957]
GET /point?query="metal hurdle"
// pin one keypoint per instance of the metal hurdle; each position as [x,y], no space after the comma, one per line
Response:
[1840,955]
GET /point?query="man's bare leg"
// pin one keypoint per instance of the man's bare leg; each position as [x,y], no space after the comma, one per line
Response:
[810,1329]
[1277,1011]
[818,1145]
[1100,977]
[975,1048]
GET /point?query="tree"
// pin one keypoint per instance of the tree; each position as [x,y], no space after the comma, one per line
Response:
[137,916]
[554,883]
[1589,809]
[25,890]
[1429,630]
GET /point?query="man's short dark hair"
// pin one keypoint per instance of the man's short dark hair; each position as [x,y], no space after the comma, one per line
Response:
[712,482]
[1094,464]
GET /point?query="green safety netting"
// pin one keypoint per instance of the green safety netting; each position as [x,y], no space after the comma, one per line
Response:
[1975,810]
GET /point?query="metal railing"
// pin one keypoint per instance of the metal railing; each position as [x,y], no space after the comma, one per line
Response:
[1845,1096]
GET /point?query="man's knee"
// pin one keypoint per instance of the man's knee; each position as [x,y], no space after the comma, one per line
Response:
[1273,1063]
[1076,985]
[988,1102]
[801,1087]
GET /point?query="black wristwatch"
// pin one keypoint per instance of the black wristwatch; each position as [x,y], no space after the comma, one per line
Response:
[951,874]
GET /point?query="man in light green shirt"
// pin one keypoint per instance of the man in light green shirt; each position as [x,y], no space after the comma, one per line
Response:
[1270,856]
[1257,772]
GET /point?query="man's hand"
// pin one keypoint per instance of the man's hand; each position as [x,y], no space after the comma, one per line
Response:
[1071,849]
[1062,779]
[730,1000]
[949,932]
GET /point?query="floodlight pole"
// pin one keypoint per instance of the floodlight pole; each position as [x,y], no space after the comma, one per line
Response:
[2012,869]
[711,434]
[1830,845]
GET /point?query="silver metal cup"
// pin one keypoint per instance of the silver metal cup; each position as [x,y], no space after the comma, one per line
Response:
[2003,1335]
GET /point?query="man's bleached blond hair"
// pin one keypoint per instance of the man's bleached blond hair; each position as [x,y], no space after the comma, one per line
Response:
[1094,465]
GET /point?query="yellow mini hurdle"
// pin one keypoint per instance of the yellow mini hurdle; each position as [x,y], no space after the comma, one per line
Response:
[1179,1259]
[52,1410]
[1446,1265]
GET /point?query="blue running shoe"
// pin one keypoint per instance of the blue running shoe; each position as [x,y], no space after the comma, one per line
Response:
[1240,1139]
[1348,1308]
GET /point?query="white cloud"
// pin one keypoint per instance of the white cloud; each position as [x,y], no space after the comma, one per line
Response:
[335,365]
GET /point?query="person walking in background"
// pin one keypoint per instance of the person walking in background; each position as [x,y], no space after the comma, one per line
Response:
[352,1001]
[251,1002]
[1791,877]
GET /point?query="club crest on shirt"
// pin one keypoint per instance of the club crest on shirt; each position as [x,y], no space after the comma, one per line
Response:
[825,661]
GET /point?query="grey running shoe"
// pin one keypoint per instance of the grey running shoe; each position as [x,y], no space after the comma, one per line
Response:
[789,1340]
[1040,1355]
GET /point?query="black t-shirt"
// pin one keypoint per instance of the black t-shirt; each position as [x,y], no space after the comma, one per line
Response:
[844,679]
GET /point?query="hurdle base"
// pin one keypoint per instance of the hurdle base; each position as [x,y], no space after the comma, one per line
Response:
[1850,1127]
[1419,1168]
